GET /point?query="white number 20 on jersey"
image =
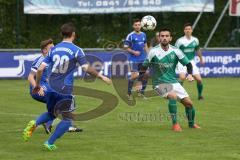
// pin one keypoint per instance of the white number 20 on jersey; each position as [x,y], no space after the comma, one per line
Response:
[60,64]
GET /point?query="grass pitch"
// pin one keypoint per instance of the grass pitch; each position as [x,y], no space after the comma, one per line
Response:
[115,136]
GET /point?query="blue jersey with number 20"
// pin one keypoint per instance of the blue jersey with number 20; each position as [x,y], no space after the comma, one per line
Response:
[63,59]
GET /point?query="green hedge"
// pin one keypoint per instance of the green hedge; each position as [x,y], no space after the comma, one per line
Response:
[95,30]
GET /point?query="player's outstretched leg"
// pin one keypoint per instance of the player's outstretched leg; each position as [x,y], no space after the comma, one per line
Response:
[199,86]
[31,126]
[190,112]
[28,131]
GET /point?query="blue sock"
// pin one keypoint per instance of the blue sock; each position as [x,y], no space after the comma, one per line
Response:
[130,85]
[144,86]
[49,123]
[61,128]
[43,118]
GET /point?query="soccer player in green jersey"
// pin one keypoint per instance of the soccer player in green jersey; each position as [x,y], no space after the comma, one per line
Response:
[163,59]
[190,45]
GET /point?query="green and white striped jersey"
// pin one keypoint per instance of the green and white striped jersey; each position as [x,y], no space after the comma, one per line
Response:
[163,64]
[188,46]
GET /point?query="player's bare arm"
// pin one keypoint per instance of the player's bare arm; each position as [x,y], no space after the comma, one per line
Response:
[38,88]
[31,79]
[136,53]
[199,54]
[33,82]
[95,73]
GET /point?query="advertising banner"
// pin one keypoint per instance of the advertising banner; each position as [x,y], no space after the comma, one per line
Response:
[115,6]
[218,63]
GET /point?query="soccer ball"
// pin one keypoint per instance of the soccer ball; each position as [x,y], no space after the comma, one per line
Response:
[148,23]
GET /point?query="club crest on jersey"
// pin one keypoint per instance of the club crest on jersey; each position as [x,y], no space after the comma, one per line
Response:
[172,56]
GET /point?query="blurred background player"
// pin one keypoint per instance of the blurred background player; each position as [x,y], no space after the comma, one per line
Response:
[163,60]
[45,46]
[189,46]
[63,59]
[136,46]
[154,41]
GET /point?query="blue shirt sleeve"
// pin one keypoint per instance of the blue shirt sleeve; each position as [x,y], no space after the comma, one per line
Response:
[81,58]
[34,67]
[37,62]
[128,41]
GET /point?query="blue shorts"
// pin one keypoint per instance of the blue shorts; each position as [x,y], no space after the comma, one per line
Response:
[135,66]
[39,98]
[57,102]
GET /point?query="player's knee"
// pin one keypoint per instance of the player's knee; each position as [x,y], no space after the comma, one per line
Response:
[182,77]
[172,96]
[187,102]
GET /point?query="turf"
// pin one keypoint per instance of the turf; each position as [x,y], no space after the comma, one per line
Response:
[116,136]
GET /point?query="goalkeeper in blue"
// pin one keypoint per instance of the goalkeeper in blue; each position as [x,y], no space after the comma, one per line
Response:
[63,59]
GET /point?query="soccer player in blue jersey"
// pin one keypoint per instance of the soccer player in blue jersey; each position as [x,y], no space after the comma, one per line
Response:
[63,60]
[136,46]
[45,46]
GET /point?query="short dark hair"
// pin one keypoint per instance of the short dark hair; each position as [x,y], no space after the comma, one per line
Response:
[67,30]
[44,43]
[136,20]
[165,29]
[187,25]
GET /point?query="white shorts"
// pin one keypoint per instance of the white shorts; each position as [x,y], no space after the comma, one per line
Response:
[164,89]
[183,69]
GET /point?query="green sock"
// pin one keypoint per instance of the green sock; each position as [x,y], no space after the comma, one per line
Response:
[199,88]
[190,113]
[172,107]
